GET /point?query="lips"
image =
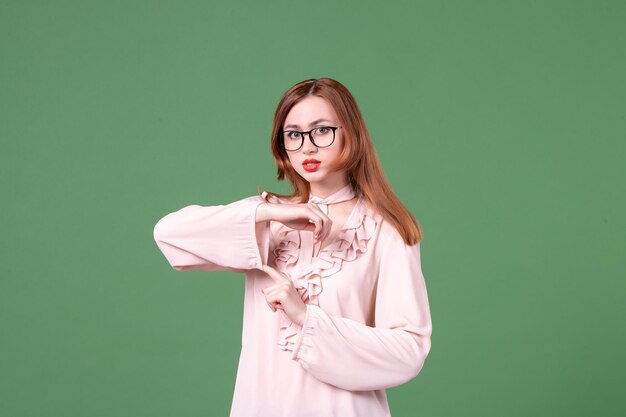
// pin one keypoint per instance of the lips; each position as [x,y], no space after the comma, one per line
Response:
[311,164]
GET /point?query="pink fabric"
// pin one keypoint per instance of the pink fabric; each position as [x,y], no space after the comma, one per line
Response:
[368,325]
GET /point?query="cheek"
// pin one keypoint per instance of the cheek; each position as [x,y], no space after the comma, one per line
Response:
[333,154]
[295,164]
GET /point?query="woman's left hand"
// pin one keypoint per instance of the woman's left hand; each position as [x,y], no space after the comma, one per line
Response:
[283,295]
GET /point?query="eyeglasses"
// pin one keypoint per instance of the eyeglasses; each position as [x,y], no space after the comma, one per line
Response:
[321,136]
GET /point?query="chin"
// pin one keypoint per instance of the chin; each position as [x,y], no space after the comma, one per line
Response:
[314,174]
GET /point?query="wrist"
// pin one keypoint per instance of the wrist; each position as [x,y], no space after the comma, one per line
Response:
[303,315]
[262,213]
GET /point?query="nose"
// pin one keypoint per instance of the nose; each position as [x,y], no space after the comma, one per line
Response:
[307,146]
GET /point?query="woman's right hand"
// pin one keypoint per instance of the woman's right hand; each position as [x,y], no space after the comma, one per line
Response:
[304,216]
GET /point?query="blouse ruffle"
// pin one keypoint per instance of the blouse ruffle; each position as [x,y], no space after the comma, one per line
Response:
[350,243]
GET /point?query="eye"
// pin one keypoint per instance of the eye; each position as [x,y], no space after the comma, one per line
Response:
[293,134]
[321,130]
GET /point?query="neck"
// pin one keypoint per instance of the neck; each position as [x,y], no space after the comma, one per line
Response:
[324,191]
[344,193]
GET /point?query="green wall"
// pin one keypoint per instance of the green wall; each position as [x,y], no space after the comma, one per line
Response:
[500,124]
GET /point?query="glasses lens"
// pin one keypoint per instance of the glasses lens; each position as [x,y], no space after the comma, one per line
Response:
[323,136]
[292,140]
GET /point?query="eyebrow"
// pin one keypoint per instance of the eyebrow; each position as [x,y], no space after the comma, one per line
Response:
[314,122]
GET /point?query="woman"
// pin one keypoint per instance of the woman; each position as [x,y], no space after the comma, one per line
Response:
[336,308]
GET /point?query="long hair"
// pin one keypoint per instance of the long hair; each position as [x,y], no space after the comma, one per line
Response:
[358,156]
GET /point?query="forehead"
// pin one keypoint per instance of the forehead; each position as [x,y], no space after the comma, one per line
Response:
[309,109]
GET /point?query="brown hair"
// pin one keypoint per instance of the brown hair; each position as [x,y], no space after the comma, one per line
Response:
[358,156]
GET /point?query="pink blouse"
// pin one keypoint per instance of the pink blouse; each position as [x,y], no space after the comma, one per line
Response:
[367,327]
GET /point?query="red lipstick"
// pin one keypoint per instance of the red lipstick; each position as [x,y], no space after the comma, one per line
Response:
[311,164]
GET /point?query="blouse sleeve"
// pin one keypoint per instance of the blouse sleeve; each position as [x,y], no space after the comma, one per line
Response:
[353,356]
[214,238]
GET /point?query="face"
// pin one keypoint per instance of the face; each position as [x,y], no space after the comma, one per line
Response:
[306,115]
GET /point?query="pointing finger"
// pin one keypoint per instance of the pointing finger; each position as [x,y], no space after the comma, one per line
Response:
[277,276]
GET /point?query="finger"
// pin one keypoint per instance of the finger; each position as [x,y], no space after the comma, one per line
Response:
[271,290]
[274,274]
[309,227]
[274,299]
[320,219]
[269,298]
[270,270]
[315,220]
[327,224]
[270,304]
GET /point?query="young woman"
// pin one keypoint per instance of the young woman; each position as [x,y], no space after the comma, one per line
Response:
[336,308]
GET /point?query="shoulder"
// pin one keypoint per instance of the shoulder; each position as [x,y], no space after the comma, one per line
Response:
[388,236]
[367,210]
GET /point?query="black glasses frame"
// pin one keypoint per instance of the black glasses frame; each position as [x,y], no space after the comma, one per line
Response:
[282,137]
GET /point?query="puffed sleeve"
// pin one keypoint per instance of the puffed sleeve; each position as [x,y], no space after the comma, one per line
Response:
[356,357]
[214,238]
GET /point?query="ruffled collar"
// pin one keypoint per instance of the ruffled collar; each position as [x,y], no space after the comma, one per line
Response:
[294,257]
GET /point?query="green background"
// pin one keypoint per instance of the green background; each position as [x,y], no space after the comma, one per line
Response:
[499,124]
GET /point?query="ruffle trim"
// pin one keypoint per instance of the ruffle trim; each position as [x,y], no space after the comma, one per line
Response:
[350,243]
[306,340]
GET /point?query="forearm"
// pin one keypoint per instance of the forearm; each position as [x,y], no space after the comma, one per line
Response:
[212,238]
[356,357]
